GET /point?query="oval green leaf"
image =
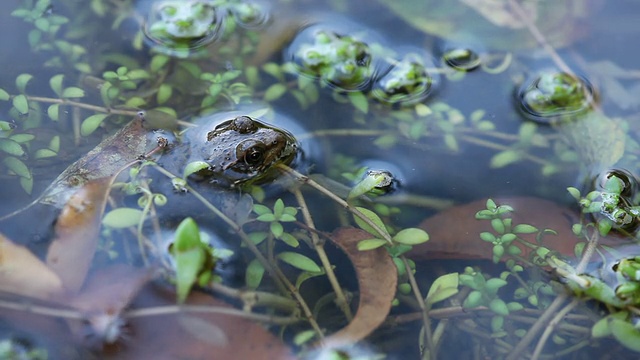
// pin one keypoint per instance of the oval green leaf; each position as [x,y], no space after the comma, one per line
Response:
[411,236]
[72,92]
[54,112]
[11,147]
[17,166]
[44,153]
[254,274]
[22,80]
[299,261]
[90,124]
[21,104]
[122,218]
[56,84]
[274,92]
[374,218]
[370,244]
[194,167]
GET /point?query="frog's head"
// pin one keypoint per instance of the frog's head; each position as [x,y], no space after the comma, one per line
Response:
[245,150]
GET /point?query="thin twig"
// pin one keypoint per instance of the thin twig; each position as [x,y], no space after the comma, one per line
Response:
[551,327]
[341,299]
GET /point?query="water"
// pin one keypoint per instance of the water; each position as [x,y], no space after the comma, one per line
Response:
[456,107]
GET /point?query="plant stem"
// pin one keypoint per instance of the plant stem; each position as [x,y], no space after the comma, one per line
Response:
[341,299]
[96,108]
[551,327]
[426,322]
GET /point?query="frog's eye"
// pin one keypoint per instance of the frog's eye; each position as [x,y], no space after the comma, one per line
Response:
[251,152]
[254,155]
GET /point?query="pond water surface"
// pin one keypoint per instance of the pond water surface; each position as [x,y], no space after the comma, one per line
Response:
[457,101]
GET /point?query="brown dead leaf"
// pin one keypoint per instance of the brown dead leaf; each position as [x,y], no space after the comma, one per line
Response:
[76,234]
[173,336]
[455,233]
[377,282]
[21,272]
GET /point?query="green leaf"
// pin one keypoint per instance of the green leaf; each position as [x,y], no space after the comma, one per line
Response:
[524,229]
[411,236]
[499,307]
[254,274]
[22,80]
[54,112]
[601,328]
[304,337]
[289,240]
[164,93]
[26,184]
[276,229]
[158,62]
[299,261]
[473,300]
[194,167]
[72,92]
[22,138]
[261,209]
[368,183]
[625,333]
[504,158]
[54,143]
[575,193]
[274,92]
[359,101]
[374,218]
[122,218]
[90,124]
[11,147]
[189,264]
[56,84]
[442,288]
[17,166]
[370,244]
[4,96]
[278,208]
[187,235]
[21,104]
[44,153]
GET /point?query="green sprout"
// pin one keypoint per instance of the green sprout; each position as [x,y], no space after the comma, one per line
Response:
[275,218]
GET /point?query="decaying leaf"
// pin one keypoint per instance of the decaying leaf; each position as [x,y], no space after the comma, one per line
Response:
[76,234]
[455,232]
[377,282]
[21,272]
[172,336]
[105,160]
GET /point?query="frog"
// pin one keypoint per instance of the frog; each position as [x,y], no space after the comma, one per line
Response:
[238,151]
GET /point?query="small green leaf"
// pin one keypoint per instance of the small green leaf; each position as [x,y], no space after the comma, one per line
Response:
[268,217]
[258,236]
[304,337]
[504,158]
[289,240]
[11,147]
[254,274]
[278,208]
[21,82]
[54,112]
[473,300]
[442,288]
[56,84]
[488,237]
[274,92]
[189,264]
[164,93]
[22,138]
[575,193]
[276,229]
[187,235]
[626,334]
[21,104]
[122,218]
[370,244]
[17,166]
[261,209]
[27,184]
[359,101]
[524,229]
[411,236]
[374,218]
[4,96]
[158,62]
[299,261]
[499,307]
[194,167]
[90,124]
[54,143]
[44,153]
[72,92]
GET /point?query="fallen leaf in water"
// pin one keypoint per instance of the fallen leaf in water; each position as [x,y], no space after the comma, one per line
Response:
[173,335]
[455,232]
[105,160]
[76,234]
[377,282]
[107,294]
[21,272]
